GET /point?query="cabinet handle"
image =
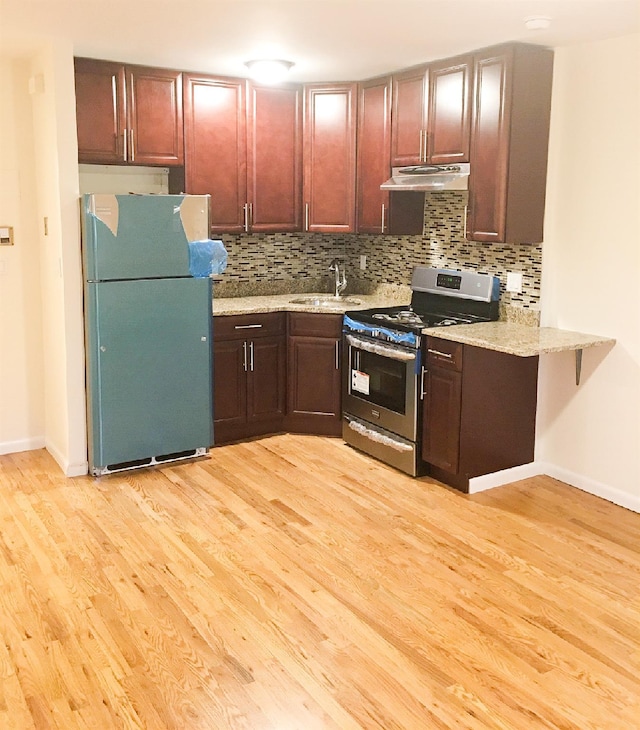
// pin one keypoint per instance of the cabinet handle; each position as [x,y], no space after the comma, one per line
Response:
[446,355]
[251,214]
[306,216]
[337,354]
[251,356]
[247,326]
[245,210]
[382,225]
[244,356]
[423,145]
[124,144]
[422,390]
[133,149]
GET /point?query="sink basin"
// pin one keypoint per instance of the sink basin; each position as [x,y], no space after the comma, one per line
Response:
[328,301]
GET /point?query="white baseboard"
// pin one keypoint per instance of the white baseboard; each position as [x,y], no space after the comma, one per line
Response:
[506,476]
[69,469]
[598,489]
[12,447]
[535,468]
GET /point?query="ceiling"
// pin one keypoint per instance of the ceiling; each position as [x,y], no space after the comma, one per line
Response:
[329,40]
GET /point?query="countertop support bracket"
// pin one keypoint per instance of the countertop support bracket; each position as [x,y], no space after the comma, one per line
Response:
[578,365]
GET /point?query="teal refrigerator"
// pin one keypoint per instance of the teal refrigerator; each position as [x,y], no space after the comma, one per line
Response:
[148,330]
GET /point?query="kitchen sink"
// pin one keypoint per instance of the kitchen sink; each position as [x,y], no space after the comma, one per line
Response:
[327,301]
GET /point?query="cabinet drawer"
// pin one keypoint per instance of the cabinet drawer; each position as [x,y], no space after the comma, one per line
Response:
[308,324]
[443,354]
[244,326]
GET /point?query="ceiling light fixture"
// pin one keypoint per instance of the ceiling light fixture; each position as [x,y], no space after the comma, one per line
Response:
[268,71]
[537,22]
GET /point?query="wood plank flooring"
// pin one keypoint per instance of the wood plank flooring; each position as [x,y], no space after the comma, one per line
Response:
[291,583]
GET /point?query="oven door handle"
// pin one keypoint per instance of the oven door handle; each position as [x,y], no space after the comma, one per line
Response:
[384,350]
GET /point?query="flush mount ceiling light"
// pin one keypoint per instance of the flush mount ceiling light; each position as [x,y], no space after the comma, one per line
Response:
[537,22]
[268,71]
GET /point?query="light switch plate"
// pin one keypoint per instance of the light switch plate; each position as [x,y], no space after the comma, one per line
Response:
[6,235]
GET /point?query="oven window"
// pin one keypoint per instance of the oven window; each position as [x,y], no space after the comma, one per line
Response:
[379,380]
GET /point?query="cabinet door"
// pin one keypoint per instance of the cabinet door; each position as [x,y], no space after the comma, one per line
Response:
[441,425]
[487,188]
[509,144]
[274,162]
[229,389]
[449,111]
[155,116]
[409,117]
[314,383]
[100,111]
[266,380]
[329,152]
[374,151]
[215,148]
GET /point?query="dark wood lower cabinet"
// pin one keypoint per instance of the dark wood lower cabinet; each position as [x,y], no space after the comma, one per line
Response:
[249,376]
[313,371]
[479,411]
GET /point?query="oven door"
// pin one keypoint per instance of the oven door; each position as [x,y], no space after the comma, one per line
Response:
[380,384]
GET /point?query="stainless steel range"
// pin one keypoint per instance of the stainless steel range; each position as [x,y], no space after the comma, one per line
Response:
[382,360]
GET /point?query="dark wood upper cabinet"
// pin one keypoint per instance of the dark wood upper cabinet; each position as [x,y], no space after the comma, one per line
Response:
[216,147]
[274,163]
[329,153]
[100,111]
[374,152]
[409,117]
[155,116]
[509,141]
[128,114]
[449,123]
[431,113]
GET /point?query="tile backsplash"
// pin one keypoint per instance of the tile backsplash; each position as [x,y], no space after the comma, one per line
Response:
[285,262]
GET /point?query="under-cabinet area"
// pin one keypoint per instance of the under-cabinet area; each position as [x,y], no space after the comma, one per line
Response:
[312,157]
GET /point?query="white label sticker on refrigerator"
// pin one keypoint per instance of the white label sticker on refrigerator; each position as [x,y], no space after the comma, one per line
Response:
[360,382]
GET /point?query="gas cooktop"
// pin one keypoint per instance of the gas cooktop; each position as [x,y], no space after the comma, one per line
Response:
[440,298]
[406,319]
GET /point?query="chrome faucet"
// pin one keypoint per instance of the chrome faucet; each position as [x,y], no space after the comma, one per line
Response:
[339,275]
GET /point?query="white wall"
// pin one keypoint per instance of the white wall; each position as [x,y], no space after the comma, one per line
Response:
[21,363]
[56,166]
[589,435]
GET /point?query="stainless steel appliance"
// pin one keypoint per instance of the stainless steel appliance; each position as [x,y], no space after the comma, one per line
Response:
[429,178]
[382,360]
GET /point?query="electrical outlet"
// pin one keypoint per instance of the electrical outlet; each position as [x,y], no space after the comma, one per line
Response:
[514,281]
[363,263]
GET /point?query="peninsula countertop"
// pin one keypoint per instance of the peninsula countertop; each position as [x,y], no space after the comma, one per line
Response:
[517,339]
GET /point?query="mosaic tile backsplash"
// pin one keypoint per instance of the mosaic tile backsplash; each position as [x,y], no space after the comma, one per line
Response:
[292,262]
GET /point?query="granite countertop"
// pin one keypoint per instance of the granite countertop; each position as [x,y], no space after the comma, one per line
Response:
[511,337]
[517,339]
[283,303]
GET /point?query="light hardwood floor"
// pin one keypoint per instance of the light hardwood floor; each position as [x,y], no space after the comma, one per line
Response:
[292,583]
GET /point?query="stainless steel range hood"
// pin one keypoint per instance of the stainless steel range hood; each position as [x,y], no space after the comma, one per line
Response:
[428,178]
